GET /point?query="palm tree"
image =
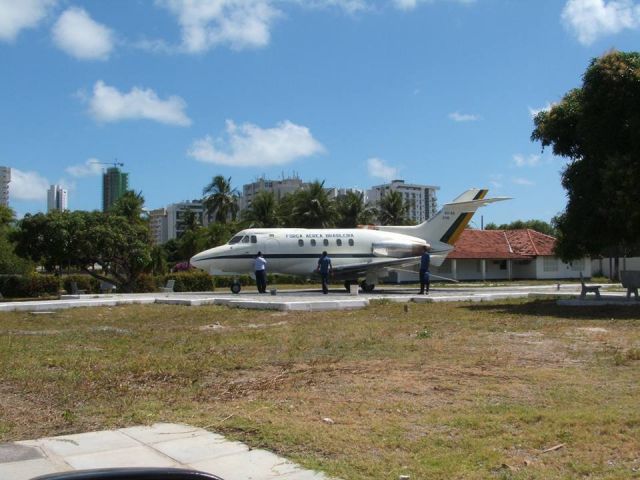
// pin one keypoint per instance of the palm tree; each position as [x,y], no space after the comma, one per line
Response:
[392,209]
[312,207]
[129,205]
[262,211]
[220,199]
[190,221]
[353,211]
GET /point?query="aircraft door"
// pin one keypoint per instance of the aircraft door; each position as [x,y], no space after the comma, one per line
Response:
[271,247]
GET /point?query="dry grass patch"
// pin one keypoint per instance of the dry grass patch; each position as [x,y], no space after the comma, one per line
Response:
[438,391]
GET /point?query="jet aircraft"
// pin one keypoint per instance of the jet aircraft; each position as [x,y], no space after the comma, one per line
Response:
[369,253]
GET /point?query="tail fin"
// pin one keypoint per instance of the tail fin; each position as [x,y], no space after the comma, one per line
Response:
[443,230]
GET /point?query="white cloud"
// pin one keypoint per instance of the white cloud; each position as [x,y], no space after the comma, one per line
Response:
[16,15]
[412,4]
[27,185]
[464,117]
[535,111]
[109,105]
[591,19]
[522,181]
[378,168]
[249,145]
[520,160]
[349,6]
[207,24]
[90,168]
[77,34]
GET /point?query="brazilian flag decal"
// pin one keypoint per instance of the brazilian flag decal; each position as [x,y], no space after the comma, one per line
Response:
[453,233]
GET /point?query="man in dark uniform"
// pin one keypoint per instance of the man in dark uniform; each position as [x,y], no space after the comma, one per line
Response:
[325,268]
[425,260]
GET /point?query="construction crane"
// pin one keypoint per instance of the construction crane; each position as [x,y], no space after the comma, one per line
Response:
[115,164]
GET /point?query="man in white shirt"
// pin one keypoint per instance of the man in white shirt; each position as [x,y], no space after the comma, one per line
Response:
[260,267]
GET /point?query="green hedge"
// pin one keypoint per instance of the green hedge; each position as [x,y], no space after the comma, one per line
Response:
[37,285]
[29,286]
[84,282]
[187,281]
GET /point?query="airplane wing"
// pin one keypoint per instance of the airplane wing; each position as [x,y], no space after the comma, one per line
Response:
[361,269]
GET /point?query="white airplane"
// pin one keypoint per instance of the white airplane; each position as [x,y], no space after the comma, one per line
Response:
[370,252]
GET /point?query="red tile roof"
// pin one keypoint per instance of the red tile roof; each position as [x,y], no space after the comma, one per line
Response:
[502,244]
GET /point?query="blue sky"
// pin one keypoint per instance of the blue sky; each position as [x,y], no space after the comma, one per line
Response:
[353,92]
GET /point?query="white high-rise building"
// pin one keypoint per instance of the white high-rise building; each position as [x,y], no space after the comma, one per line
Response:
[175,216]
[5,178]
[57,199]
[421,198]
[279,188]
[158,225]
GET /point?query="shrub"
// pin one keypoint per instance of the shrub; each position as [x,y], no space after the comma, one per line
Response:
[192,281]
[146,283]
[84,282]
[34,285]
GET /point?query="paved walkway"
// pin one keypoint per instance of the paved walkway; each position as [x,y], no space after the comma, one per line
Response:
[160,445]
[313,300]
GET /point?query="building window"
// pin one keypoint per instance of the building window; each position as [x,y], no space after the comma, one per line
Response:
[577,265]
[550,264]
[301,243]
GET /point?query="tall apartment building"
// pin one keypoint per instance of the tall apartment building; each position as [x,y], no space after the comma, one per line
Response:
[57,199]
[5,178]
[279,188]
[114,184]
[421,198]
[175,217]
[158,225]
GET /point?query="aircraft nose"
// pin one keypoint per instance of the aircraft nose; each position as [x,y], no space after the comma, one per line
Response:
[197,260]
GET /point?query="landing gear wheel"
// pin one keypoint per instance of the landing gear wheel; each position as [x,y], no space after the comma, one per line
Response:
[347,286]
[236,287]
[367,287]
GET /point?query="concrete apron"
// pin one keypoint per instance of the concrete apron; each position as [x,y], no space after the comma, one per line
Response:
[159,445]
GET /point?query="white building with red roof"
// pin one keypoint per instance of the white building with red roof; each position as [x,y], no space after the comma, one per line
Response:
[508,255]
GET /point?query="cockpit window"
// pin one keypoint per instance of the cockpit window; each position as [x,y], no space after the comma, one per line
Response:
[245,239]
[254,239]
[235,239]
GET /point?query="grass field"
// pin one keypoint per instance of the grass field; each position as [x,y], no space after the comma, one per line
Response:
[437,391]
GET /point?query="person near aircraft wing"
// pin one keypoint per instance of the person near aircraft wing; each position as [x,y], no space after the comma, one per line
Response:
[425,260]
[260,269]
[324,268]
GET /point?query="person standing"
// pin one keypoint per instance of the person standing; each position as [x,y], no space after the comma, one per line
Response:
[260,268]
[325,268]
[425,260]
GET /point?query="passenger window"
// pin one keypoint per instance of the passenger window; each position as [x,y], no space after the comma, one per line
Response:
[313,242]
[254,239]
[351,242]
[235,239]
[301,243]
[245,239]
[339,242]
[325,242]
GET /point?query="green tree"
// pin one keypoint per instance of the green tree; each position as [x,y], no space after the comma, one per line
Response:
[10,263]
[596,128]
[190,222]
[393,209]
[120,247]
[263,210]
[220,200]
[353,211]
[129,205]
[312,207]
[537,225]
